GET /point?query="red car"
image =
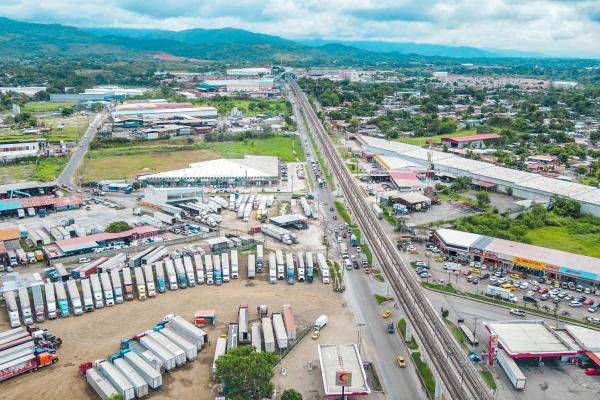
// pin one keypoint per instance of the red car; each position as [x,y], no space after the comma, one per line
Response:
[592,371]
[588,302]
[344,235]
[536,288]
[543,290]
[467,272]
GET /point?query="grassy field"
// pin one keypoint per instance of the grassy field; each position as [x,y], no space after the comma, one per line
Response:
[46,106]
[122,162]
[72,129]
[423,140]
[248,107]
[47,169]
[129,166]
[559,237]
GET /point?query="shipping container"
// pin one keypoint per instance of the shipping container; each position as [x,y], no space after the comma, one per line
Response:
[119,381]
[140,283]
[107,289]
[88,297]
[290,323]
[256,337]
[260,260]
[164,355]
[152,377]
[38,303]
[190,271]
[199,269]
[220,349]
[12,309]
[115,278]
[225,266]
[180,357]
[251,266]
[103,388]
[190,349]
[50,300]
[75,297]
[150,285]
[140,385]
[161,282]
[280,332]
[97,291]
[269,338]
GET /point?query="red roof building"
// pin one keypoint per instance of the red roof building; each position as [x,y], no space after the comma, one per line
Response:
[406,181]
[474,141]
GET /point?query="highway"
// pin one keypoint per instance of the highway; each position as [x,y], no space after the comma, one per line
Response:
[375,343]
[459,377]
[66,177]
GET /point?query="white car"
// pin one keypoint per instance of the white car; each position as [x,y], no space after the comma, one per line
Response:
[574,303]
[524,285]
[83,260]
[519,313]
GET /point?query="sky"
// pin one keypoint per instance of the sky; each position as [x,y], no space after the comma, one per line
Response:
[553,27]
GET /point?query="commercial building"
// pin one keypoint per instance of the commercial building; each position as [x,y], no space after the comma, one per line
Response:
[10,151]
[86,244]
[522,184]
[98,93]
[159,196]
[533,260]
[478,141]
[238,85]
[163,109]
[290,220]
[248,71]
[247,171]
[26,189]
[342,357]
[406,181]
[49,203]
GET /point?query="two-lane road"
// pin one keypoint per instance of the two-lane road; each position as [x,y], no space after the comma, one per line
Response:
[66,177]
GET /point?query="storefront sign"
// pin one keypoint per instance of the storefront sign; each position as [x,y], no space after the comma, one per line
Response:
[475,250]
[579,274]
[525,262]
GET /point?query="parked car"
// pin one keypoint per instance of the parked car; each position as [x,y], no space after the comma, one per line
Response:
[574,303]
[518,313]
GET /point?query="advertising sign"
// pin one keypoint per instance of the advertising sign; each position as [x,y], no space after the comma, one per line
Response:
[525,262]
[343,378]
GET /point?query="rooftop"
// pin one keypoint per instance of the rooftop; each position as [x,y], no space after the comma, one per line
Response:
[248,167]
[471,138]
[457,238]
[337,357]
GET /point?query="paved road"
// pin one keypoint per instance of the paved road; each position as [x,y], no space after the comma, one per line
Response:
[66,177]
[377,345]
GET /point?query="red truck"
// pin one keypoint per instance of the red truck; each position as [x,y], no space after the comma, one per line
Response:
[26,363]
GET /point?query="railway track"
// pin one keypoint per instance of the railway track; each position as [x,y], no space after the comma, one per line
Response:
[460,378]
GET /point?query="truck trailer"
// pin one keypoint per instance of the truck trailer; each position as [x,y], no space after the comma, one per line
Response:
[38,303]
[140,283]
[164,355]
[50,300]
[161,283]
[74,297]
[199,269]
[128,284]
[289,322]
[12,309]
[256,337]
[260,258]
[152,377]
[209,269]
[272,268]
[149,275]
[171,275]
[115,278]
[243,327]
[220,349]
[190,272]
[180,357]
[190,349]
[119,381]
[301,269]
[289,261]
[280,332]
[217,269]
[25,306]
[188,331]
[251,266]
[310,272]
[269,338]
[180,272]
[107,289]
[140,385]
[97,291]
[280,265]
[103,388]
[61,297]
[88,298]
[225,266]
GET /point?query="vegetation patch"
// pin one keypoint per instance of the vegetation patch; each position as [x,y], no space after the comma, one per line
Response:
[424,373]
[382,299]
[489,379]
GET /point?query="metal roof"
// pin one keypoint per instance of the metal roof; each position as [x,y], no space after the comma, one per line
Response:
[288,219]
[335,357]
[457,238]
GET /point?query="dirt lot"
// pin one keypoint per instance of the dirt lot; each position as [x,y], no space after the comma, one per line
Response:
[96,335]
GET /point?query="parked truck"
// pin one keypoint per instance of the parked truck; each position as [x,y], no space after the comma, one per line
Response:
[280,265]
[243,327]
[289,261]
[225,266]
[171,275]
[21,256]
[128,283]
[199,269]
[512,370]
[150,285]
[97,291]
[209,269]
[260,258]
[310,272]
[272,268]
[115,278]
[278,233]
[501,293]
[280,332]
[377,211]
[88,297]
[50,300]
[217,269]
[26,363]
[190,272]
[220,349]
[75,297]
[160,277]
[300,266]
[140,283]
[107,289]
[25,306]
[12,309]
[180,272]
[38,303]
[61,297]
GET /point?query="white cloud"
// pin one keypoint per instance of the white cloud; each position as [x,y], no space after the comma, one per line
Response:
[554,27]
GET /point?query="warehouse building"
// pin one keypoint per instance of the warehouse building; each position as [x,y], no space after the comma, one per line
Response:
[532,260]
[525,185]
[10,151]
[248,71]
[163,109]
[238,85]
[49,203]
[159,196]
[290,220]
[247,171]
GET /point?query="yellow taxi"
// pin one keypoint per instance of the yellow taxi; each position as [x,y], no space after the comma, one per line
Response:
[386,314]
[439,259]
[515,276]
[507,286]
[367,270]
[475,270]
[401,362]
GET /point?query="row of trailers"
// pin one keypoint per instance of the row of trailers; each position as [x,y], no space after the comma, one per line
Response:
[142,360]
[300,266]
[245,203]
[268,334]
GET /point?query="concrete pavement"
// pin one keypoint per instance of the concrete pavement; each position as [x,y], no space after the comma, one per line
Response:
[66,177]
[376,345]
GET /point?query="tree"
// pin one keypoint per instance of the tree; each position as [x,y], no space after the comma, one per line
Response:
[118,226]
[290,394]
[66,112]
[445,313]
[483,199]
[246,373]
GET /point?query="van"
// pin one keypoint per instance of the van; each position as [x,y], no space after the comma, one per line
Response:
[507,286]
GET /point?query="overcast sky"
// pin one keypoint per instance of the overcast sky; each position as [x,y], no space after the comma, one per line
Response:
[556,27]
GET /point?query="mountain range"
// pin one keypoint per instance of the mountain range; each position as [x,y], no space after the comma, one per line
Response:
[25,40]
